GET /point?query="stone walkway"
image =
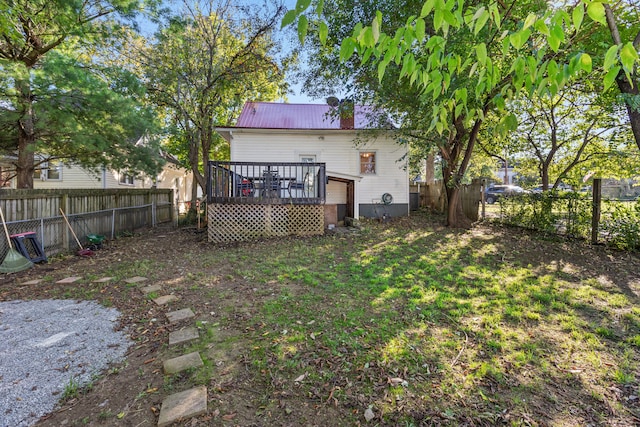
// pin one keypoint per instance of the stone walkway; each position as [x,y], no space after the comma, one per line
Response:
[188,403]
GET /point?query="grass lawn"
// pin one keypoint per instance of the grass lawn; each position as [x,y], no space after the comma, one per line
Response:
[408,323]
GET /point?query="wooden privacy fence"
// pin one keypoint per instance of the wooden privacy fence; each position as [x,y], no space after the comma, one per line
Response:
[433,196]
[102,212]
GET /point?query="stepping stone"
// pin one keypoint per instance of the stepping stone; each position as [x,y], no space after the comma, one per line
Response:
[183,405]
[104,280]
[136,279]
[152,288]
[182,363]
[183,335]
[32,282]
[165,299]
[176,316]
[69,280]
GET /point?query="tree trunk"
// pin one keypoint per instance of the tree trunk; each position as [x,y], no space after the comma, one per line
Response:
[456,217]
[626,87]
[24,165]
[634,115]
[545,177]
[206,149]
[430,169]
[26,138]
[454,169]
[193,161]
[194,190]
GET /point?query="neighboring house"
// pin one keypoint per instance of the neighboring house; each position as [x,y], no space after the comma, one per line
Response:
[56,175]
[507,175]
[360,168]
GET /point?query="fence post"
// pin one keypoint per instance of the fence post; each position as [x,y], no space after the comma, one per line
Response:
[172,213]
[64,204]
[42,231]
[113,224]
[597,206]
[483,193]
[153,213]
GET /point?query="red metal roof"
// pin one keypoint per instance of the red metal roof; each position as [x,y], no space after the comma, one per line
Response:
[272,115]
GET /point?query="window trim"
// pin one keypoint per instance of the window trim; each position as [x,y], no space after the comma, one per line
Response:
[4,182]
[362,164]
[124,179]
[44,169]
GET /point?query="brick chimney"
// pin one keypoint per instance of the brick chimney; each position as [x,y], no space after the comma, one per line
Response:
[346,114]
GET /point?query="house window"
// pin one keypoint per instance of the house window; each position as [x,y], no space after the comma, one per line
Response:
[308,173]
[126,179]
[5,178]
[368,162]
[49,171]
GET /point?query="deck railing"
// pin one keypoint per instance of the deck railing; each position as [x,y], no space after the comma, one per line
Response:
[267,183]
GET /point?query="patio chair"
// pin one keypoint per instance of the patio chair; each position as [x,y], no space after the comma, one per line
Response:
[271,187]
[244,188]
[299,185]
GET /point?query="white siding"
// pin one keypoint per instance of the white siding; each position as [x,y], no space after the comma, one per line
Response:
[72,176]
[338,151]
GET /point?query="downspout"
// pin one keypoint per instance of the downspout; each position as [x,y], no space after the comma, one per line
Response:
[104,177]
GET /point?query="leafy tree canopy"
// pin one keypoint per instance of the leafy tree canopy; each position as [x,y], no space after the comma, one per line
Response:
[56,97]
[205,64]
[458,61]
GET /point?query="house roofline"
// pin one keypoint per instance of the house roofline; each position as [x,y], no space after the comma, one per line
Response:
[227,132]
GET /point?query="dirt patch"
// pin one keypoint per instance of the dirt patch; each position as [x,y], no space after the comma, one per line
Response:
[226,299]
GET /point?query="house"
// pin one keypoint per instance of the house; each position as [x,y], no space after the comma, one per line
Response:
[68,175]
[366,174]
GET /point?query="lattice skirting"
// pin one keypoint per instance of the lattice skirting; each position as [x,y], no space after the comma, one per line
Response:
[233,223]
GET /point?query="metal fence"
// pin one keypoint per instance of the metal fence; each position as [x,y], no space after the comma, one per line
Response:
[614,222]
[55,236]
[266,183]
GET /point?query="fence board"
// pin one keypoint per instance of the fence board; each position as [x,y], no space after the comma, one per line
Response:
[90,211]
[433,196]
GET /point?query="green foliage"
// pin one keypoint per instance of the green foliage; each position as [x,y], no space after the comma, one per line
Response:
[58,100]
[433,62]
[92,119]
[570,214]
[201,69]
[552,212]
[621,224]
[444,70]
[71,389]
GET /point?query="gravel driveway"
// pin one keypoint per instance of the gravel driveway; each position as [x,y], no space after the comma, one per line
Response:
[47,346]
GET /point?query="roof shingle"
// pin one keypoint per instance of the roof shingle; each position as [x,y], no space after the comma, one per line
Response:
[271,115]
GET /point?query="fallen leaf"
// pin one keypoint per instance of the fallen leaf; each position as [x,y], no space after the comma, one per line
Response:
[395,381]
[369,415]
[300,378]
[229,416]
[120,415]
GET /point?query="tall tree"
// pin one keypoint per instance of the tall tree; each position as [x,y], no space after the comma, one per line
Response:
[576,127]
[52,100]
[204,66]
[466,59]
